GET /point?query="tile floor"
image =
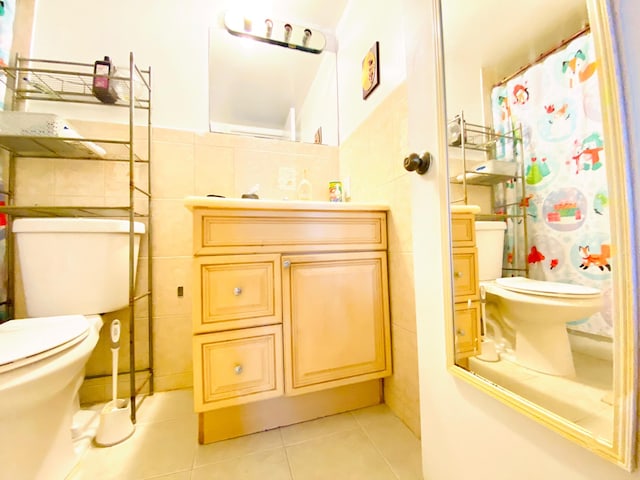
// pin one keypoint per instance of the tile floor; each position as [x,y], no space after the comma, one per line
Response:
[367,444]
[585,400]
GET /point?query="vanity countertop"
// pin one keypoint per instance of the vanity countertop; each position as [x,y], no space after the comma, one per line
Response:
[465,209]
[193,202]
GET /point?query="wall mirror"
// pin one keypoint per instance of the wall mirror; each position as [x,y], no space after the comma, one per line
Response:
[270,91]
[532,145]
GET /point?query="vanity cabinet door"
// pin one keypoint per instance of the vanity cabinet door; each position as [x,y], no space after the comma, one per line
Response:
[236,291]
[236,367]
[335,320]
[465,279]
[466,322]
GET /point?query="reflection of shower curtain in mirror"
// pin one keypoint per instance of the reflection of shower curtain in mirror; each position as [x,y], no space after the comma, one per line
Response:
[557,102]
[7,16]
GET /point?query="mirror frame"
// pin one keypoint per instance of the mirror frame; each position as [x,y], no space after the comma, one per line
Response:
[622,449]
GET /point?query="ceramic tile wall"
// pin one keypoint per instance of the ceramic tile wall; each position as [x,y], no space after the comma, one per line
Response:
[372,157]
[183,163]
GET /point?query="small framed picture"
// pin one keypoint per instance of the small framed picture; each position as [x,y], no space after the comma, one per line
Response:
[370,71]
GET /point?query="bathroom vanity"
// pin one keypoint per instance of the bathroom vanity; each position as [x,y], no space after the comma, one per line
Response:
[290,312]
[466,288]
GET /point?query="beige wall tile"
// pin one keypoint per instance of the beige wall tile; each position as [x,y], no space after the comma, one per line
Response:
[172,344]
[172,229]
[34,178]
[400,235]
[401,290]
[174,381]
[169,274]
[214,170]
[372,157]
[73,178]
[172,170]
[167,135]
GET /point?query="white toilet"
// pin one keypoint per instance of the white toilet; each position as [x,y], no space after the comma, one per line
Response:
[537,311]
[73,270]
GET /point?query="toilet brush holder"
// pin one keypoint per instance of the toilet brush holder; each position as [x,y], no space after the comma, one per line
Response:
[115,419]
[115,423]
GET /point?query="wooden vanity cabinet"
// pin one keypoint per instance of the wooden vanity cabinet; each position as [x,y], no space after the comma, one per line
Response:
[290,315]
[466,289]
[336,321]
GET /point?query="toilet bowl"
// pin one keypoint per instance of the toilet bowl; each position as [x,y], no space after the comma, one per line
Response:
[536,311]
[73,269]
[36,440]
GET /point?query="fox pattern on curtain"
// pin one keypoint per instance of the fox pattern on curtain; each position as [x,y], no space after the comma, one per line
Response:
[557,104]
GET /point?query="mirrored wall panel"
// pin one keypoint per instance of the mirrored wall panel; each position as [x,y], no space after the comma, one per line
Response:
[538,297]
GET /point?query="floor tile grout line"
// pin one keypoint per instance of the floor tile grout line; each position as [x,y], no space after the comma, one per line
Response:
[377,449]
[238,456]
[324,435]
[286,455]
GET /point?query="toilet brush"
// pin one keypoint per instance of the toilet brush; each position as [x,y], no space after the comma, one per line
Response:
[488,352]
[115,418]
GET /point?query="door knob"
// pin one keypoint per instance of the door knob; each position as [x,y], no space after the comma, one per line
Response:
[419,163]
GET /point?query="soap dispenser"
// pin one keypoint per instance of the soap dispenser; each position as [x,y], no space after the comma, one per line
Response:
[304,188]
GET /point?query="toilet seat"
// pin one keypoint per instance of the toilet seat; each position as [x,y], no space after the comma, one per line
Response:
[29,340]
[544,288]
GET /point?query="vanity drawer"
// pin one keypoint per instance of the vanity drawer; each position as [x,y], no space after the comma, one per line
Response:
[236,291]
[266,231]
[465,279]
[463,232]
[238,366]
[467,329]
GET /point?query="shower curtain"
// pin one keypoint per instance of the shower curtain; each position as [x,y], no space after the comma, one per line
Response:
[557,104]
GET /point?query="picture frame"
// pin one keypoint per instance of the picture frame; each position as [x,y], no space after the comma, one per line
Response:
[370,71]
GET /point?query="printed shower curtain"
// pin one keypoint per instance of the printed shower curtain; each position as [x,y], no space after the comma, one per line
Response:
[557,104]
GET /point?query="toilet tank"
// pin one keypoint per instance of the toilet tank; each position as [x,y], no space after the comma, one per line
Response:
[490,245]
[75,265]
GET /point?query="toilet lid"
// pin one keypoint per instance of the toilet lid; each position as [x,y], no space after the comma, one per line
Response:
[539,287]
[26,338]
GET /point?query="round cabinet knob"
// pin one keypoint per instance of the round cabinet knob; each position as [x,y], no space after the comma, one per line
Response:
[238,369]
[237,291]
[286,263]
[461,332]
[458,274]
[419,163]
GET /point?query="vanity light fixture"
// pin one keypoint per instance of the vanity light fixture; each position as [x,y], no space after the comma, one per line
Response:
[287,32]
[284,34]
[306,36]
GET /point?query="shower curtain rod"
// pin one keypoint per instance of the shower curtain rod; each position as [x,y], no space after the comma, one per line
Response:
[544,55]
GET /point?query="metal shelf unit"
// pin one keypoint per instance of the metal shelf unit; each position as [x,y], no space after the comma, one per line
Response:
[37,80]
[467,137]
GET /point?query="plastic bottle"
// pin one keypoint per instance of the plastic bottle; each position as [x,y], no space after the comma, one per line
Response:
[304,188]
[103,87]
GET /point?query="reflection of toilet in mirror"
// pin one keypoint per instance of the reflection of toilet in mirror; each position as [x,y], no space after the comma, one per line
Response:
[533,312]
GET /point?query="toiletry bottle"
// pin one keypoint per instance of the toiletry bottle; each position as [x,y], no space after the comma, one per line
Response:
[304,188]
[103,87]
